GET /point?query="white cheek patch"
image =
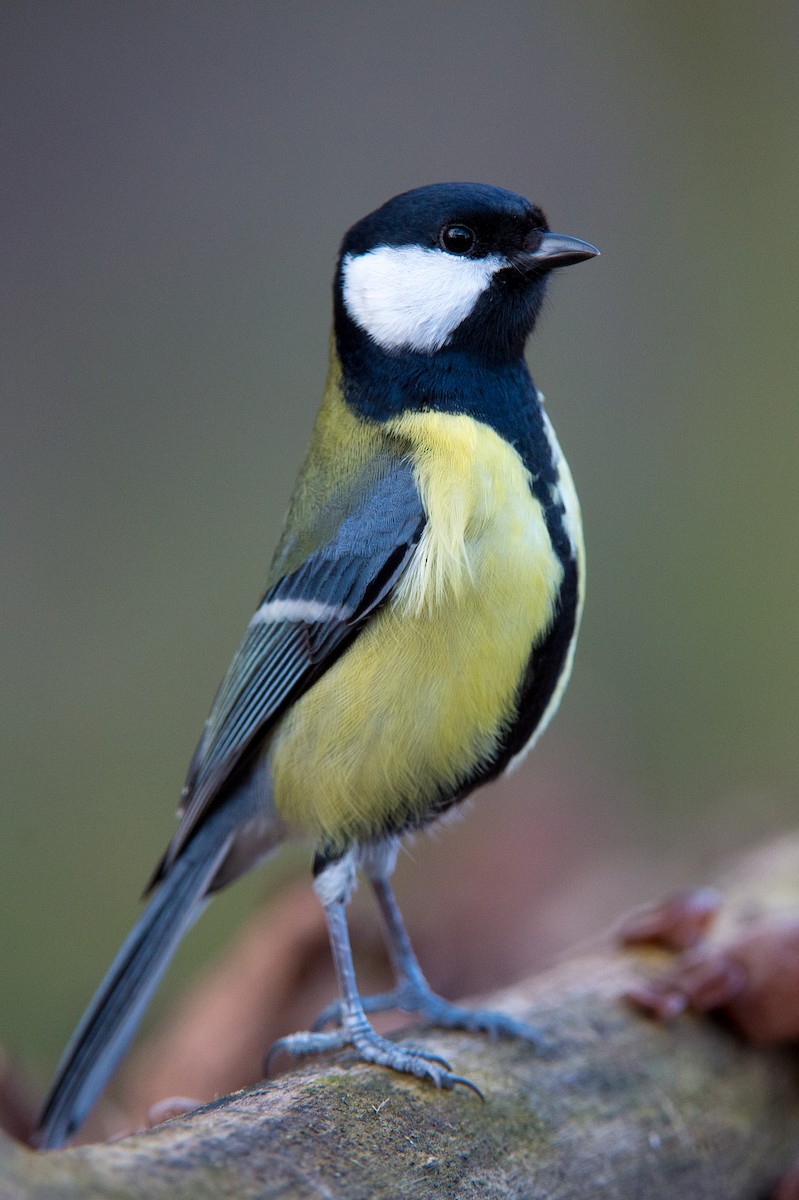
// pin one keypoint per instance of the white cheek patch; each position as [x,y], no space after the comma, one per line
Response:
[412,298]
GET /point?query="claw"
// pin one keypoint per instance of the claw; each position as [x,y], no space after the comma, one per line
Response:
[412,994]
[436,1058]
[467,1083]
[372,1048]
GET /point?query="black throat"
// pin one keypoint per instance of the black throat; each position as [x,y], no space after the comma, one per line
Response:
[499,392]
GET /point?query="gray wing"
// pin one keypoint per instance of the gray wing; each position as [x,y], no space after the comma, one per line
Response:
[304,622]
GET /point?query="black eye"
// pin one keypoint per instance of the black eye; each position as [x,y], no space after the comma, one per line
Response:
[457,239]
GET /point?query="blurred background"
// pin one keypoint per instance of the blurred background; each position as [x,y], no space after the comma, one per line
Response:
[176,176]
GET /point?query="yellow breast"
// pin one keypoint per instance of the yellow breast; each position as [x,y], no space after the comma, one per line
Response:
[423,695]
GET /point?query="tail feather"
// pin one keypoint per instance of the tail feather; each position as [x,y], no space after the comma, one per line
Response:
[110,1022]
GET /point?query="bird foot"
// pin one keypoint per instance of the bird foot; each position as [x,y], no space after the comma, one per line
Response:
[371,1048]
[409,997]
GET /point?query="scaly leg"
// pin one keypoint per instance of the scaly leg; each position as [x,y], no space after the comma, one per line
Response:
[412,992]
[354,1029]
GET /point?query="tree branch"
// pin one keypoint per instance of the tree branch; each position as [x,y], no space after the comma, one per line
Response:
[616,1106]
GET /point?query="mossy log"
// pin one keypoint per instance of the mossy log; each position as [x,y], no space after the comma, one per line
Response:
[614,1106]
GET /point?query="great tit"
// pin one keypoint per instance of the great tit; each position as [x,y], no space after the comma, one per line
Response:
[418,626]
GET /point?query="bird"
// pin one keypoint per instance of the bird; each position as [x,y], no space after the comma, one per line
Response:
[417,629]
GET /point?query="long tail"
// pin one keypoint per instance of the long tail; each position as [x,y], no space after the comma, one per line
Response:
[112,1018]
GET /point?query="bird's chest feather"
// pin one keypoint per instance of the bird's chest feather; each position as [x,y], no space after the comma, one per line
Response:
[486,547]
[428,689]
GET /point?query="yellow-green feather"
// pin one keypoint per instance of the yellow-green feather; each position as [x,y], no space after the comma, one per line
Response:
[424,693]
[345,455]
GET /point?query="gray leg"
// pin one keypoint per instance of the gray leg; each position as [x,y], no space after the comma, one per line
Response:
[412,992]
[354,1030]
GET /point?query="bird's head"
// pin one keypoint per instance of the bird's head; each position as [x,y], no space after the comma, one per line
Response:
[460,266]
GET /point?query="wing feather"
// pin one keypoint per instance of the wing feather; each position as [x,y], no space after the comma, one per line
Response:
[305,620]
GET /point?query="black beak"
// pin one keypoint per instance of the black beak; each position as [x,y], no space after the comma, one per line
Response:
[556,250]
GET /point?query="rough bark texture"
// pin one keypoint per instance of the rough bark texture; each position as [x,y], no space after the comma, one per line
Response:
[615,1106]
